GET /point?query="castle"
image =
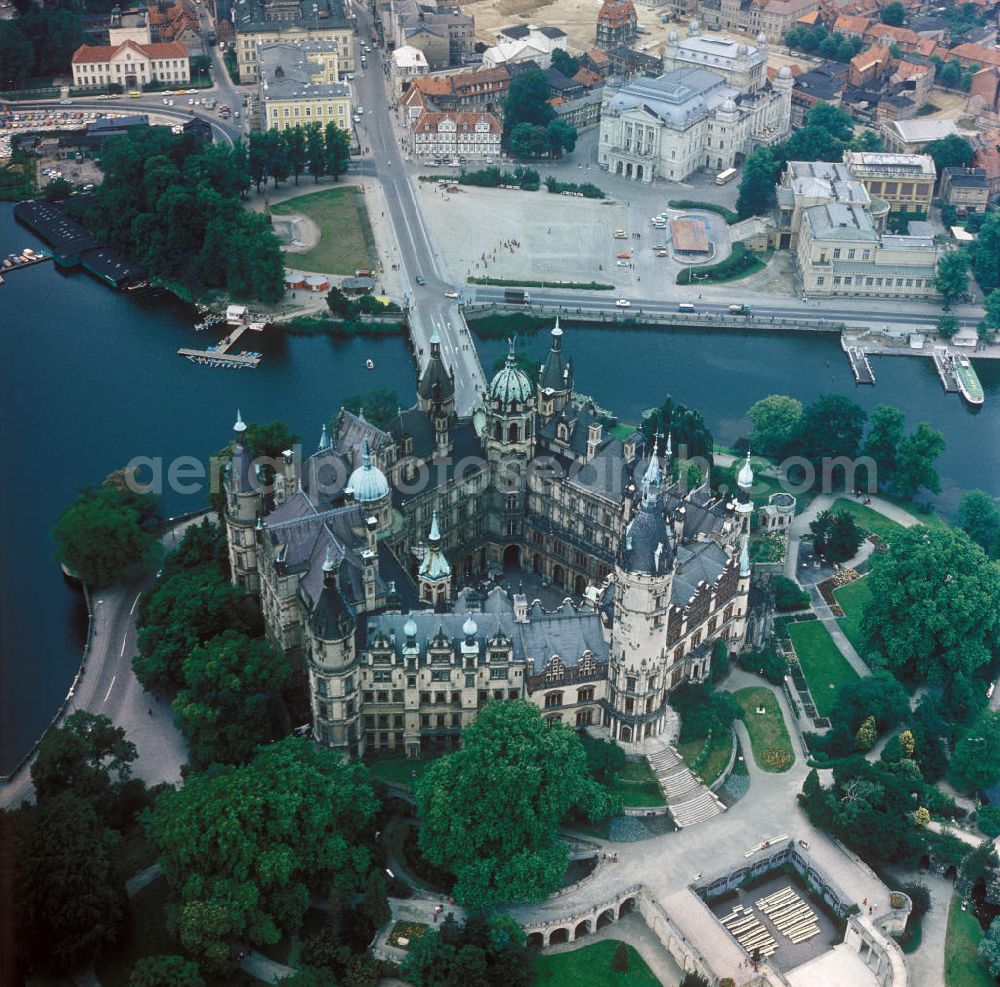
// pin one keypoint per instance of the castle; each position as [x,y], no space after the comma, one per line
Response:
[375,560]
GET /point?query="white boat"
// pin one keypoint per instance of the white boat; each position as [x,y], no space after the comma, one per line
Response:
[370,364]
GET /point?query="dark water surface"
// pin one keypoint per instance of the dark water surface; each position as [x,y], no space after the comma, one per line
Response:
[90,379]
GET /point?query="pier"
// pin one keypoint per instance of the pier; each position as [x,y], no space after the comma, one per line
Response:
[220,355]
[945,370]
[858,359]
[28,258]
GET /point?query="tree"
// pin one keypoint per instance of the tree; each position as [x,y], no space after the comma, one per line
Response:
[788,595]
[527,101]
[990,322]
[379,405]
[915,462]
[866,734]
[17,53]
[835,121]
[561,137]
[975,762]
[527,140]
[831,428]
[988,951]
[87,756]
[315,151]
[922,816]
[604,759]
[179,614]
[564,62]
[101,537]
[836,535]
[244,848]
[879,695]
[689,435]
[231,700]
[947,326]
[491,810]
[375,905]
[69,900]
[986,254]
[165,971]
[920,898]
[338,150]
[776,420]
[934,607]
[977,515]
[950,152]
[294,140]
[885,430]
[952,278]
[720,660]
[893,13]
[760,173]
[950,75]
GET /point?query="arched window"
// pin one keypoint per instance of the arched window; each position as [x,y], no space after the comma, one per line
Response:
[553,700]
[513,407]
[512,434]
[498,431]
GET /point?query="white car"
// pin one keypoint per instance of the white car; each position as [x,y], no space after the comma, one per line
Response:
[451,294]
[359,110]
[623,303]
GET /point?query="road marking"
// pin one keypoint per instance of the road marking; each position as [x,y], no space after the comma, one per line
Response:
[110,687]
[124,639]
[134,602]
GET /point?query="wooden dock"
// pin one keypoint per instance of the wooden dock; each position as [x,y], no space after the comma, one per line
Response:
[221,355]
[15,262]
[945,370]
[858,359]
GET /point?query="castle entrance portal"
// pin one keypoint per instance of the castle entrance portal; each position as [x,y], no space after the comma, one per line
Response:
[511,558]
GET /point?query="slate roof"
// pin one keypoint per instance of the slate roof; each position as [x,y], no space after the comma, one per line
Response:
[703,560]
[647,546]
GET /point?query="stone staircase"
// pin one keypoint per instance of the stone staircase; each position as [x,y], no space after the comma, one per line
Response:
[690,802]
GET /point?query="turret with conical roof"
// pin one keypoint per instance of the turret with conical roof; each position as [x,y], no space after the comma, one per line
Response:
[436,386]
[555,379]
[435,572]
[244,506]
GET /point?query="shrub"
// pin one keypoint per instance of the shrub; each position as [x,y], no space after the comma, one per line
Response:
[619,962]
[867,734]
[921,898]
[788,595]
[988,820]
[767,663]
[727,214]
[741,261]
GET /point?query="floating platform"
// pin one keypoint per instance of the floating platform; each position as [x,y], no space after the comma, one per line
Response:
[945,369]
[27,258]
[221,355]
[858,359]
[958,375]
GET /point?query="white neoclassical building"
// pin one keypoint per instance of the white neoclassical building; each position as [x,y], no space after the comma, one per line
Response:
[710,109]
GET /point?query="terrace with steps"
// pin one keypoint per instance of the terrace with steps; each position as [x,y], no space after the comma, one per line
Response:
[690,802]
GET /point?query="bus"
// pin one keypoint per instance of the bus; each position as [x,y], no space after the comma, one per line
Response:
[725,176]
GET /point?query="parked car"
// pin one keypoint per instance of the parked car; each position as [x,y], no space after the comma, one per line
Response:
[420,279]
[623,303]
[451,294]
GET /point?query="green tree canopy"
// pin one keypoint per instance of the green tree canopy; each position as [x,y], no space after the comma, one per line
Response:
[975,762]
[836,535]
[178,614]
[689,435]
[831,428]
[564,62]
[760,174]
[885,430]
[104,537]
[935,605]
[986,253]
[893,13]
[776,420]
[879,695]
[952,278]
[88,756]
[491,810]
[950,152]
[69,901]
[165,971]
[231,700]
[990,323]
[988,951]
[379,406]
[978,516]
[527,101]
[947,326]
[243,848]
[915,461]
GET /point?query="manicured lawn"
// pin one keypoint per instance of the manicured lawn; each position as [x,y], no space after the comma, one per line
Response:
[637,785]
[346,242]
[402,772]
[772,747]
[718,755]
[147,936]
[824,667]
[877,524]
[961,942]
[590,966]
[853,598]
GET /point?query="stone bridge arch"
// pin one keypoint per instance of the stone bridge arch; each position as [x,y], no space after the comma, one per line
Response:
[583,922]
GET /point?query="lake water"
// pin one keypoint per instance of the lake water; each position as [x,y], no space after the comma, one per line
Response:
[90,379]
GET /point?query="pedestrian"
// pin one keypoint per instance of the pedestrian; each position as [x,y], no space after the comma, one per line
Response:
[150,712]
[871,908]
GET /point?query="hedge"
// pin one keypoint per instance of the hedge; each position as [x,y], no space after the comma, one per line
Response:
[727,214]
[738,264]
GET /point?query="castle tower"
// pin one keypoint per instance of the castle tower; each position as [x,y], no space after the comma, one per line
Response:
[434,574]
[744,505]
[509,439]
[369,488]
[644,574]
[555,379]
[436,396]
[244,505]
[783,83]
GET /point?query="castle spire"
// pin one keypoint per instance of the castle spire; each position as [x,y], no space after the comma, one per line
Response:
[240,427]
[324,439]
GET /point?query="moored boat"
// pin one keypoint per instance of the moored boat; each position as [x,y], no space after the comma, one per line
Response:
[968,380]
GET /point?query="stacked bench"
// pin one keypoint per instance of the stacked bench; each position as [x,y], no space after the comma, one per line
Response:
[748,931]
[790,915]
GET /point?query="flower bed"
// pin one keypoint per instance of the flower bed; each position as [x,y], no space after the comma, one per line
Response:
[404,934]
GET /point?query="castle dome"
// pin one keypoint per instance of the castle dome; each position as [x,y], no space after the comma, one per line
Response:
[470,627]
[741,49]
[368,482]
[672,37]
[729,106]
[784,72]
[745,479]
[410,628]
[511,383]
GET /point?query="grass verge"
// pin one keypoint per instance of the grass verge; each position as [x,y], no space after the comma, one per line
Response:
[853,598]
[516,283]
[637,785]
[346,242]
[739,264]
[403,772]
[961,942]
[715,761]
[824,667]
[590,966]
[872,521]
[772,747]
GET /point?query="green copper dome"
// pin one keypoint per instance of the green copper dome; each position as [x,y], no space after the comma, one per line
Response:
[368,482]
[511,383]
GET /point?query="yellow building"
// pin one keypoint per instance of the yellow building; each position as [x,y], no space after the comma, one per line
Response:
[299,85]
[258,24]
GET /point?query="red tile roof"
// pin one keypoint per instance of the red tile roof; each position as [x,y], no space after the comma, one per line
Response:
[87,54]
[466,122]
[851,24]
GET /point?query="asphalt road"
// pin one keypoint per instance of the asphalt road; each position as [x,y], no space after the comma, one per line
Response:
[430,310]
